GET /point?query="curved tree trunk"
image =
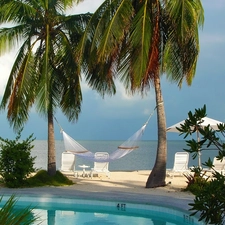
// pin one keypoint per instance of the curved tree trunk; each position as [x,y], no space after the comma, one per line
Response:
[51,146]
[158,175]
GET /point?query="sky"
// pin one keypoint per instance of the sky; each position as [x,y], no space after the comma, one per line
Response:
[118,117]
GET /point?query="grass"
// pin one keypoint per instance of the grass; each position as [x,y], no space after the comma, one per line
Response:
[41,178]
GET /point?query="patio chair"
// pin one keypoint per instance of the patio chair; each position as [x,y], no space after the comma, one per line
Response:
[101,167]
[67,163]
[180,166]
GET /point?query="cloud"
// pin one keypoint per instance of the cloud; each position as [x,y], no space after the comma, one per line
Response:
[85,6]
[117,116]
[122,103]
[215,38]
[6,62]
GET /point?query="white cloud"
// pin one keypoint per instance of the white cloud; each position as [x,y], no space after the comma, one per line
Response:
[213,38]
[85,6]
[6,62]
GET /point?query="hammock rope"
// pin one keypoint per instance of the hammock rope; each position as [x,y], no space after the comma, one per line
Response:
[126,147]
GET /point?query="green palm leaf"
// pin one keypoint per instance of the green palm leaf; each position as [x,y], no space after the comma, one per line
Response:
[46,71]
[9,215]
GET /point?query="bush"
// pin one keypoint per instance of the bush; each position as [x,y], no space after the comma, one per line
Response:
[42,178]
[209,199]
[16,163]
[197,181]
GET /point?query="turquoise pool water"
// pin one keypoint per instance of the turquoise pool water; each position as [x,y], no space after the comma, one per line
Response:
[61,211]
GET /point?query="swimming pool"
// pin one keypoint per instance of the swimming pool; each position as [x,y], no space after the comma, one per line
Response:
[58,211]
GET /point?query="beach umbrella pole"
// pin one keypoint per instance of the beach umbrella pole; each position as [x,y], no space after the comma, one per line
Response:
[199,152]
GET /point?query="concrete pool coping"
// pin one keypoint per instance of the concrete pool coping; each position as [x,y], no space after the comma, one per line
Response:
[126,186]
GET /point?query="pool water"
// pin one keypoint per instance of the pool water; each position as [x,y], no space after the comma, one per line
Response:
[60,211]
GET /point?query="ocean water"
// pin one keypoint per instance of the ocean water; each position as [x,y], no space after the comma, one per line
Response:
[141,159]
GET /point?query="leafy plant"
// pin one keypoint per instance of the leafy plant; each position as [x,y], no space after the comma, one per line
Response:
[11,216]
[42,178]
[16,162]
[209,196]
[196,180]
[210,201]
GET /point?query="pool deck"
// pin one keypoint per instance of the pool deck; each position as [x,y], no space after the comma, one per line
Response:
[120,187]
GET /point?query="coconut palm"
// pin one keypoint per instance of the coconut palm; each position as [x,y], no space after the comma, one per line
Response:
[45,71]
[138,41]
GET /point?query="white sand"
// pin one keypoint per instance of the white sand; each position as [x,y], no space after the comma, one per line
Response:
[133,182]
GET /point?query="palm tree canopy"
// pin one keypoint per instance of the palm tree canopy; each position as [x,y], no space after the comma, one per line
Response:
[45,70]
[135,39]
[138,41]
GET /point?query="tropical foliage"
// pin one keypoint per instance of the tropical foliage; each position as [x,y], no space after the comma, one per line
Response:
[16,162]
[42,178]
[209,193]
[45,73]
[9,215]
[138,41]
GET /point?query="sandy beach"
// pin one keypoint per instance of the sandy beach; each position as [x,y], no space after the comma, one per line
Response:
[129,181]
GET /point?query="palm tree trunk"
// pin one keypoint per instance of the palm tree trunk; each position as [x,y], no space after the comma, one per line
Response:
[51,146]
[158,175]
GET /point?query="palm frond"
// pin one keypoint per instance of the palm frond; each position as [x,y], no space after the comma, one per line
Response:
[22,92]
[141,59]
[182,48]
[8,214]
[16,12]
[114,29]
[11,37]
[67,76]
[141,39]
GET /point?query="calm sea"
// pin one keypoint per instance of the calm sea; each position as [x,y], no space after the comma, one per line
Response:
[141,159]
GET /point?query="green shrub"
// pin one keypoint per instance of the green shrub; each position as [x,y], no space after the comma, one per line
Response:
[209,199]
[16,163]
[196,181]
[42,178]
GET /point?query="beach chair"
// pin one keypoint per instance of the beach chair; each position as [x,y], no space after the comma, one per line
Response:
[101,167]
[67,163]
[180,166]
[219,166]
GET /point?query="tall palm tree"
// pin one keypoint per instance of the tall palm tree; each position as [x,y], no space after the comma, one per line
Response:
[45,72]
[138,41]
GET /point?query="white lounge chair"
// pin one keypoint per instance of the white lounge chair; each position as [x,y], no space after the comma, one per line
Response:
[101,167]
[180,166]
[219,166]
[67,163]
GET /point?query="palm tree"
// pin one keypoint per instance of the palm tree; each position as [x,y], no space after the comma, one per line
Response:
[45,72]
[138,41]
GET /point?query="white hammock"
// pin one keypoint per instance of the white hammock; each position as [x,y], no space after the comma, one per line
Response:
[128,146]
